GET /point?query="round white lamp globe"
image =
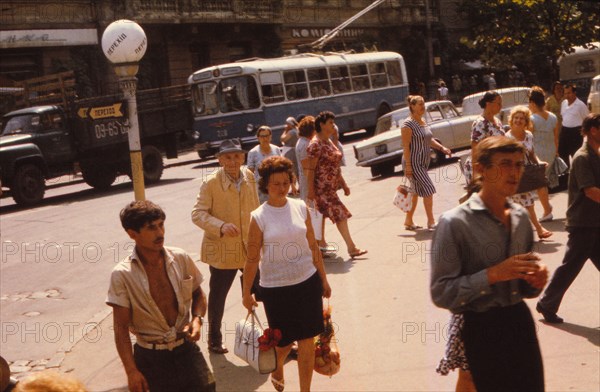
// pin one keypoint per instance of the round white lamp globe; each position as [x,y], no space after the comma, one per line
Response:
[124,41]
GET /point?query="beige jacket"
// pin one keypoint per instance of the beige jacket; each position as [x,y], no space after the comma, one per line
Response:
[217,203]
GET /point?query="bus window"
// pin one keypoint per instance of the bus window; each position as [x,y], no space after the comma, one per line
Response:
[295,84]
[378,76]
[318,81]
[585,66]
[205,98]
[272,87]
[339,79]
[360,77]
[238,93]
[394,72]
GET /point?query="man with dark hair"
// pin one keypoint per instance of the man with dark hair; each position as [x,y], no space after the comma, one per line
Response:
[573,111]
[583,220]
[152,292]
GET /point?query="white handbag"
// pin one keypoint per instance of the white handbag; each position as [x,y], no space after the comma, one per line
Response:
[403,197]
[247,332]
[316,219]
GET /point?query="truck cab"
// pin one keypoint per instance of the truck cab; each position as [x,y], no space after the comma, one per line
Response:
[35,144]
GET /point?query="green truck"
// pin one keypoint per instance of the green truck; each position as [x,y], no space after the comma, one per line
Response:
[90,136]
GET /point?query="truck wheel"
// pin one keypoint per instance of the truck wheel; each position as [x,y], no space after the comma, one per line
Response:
[99,178]
[28,186]
[153,164]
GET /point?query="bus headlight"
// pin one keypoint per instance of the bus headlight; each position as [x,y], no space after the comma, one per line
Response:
[250,128]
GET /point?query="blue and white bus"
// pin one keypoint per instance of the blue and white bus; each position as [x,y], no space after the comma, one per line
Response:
[579,67]
[232,100]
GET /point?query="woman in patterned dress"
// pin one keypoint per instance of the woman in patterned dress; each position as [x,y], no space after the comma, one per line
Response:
[520,121]
[324,178]
[484,126]
[418,141]
[545,136]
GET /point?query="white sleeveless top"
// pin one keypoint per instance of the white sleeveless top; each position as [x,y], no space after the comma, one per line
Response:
[286,258]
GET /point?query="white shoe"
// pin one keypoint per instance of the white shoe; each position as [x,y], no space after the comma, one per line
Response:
[547,218]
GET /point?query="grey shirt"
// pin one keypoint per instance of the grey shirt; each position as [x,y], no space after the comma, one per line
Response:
[585,173]
[467,241]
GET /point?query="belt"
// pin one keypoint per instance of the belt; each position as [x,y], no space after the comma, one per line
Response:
[161,346]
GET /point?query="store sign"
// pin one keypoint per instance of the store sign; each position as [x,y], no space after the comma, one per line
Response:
[318,33]
[43,38]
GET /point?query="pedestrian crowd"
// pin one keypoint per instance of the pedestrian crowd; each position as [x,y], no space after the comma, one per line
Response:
[266,219]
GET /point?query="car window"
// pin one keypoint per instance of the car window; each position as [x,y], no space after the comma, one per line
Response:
[448,111]
[434,114]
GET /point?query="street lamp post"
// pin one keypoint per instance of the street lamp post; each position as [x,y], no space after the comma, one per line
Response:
[124,44]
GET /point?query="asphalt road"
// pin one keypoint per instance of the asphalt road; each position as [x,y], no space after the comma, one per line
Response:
[57,258]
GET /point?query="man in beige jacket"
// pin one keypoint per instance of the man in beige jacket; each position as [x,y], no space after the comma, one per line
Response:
[222,210]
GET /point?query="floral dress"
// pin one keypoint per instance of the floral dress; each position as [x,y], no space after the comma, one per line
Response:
[455,356]
[326,184]
[526,199]
[481,129]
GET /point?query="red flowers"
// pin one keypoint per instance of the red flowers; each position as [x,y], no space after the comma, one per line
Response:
[327,356]
[269,339]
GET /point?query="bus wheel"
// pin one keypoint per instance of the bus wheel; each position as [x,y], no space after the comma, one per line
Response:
[203,155]
[153,164]
[28,186]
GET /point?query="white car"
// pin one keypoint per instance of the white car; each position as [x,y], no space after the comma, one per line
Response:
[511,97]
[383,151]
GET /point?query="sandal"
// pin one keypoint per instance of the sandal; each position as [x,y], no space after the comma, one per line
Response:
[357,252]
[412,227]
[217,349]
[545,234]
[279,385]
[432,227]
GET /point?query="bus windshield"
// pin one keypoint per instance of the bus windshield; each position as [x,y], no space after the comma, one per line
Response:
[226,95]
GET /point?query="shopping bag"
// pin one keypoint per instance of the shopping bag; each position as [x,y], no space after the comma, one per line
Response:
[327,354]
[316,219]
[559,168]
[248,335]
[403,197]
[534,177]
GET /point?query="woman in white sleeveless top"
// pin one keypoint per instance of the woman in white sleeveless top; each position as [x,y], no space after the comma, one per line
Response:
[281,242]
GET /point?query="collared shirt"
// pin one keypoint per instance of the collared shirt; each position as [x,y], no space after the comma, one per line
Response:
[467,241]
[130,289]
[573,114]
[585,173]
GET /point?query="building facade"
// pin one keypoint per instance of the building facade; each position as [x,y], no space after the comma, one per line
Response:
[39,37]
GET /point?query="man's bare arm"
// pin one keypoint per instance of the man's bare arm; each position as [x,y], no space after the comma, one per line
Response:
[121,321]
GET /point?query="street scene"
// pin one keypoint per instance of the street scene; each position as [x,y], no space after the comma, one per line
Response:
[454,168]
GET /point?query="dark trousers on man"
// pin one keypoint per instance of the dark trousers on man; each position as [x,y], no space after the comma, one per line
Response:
[181,370]
[502,350]
[583,244]
[569,141]
[219,285]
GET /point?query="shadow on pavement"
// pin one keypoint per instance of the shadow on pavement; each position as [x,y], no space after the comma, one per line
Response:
[230,377]
[591,334]
[338,265]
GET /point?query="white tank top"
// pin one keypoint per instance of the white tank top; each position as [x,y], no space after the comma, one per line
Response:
[286,258]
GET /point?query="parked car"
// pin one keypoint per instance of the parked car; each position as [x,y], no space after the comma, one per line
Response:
[383,151]
[511,96]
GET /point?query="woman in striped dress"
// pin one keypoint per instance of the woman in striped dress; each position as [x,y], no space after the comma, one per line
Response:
[418,141]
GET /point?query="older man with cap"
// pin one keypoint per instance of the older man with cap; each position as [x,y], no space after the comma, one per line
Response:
[222,210]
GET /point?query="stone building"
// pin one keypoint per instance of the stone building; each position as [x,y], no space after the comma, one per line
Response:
[39,37]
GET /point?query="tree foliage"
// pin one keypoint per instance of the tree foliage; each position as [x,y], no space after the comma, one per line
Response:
[530,33]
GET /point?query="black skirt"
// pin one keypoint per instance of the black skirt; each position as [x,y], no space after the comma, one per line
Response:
[296,310]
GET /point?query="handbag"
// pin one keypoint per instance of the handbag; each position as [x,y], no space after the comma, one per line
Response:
[316,219]
[403,197]
[534,177]
[247,334]
[558,169]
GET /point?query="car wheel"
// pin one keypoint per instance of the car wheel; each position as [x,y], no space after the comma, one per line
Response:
[98,177]
[383,170]
[203,155]
[28,186]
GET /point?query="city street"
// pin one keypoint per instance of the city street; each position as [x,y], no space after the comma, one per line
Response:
[56,261]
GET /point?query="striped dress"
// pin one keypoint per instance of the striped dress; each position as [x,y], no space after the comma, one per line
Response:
[420,149]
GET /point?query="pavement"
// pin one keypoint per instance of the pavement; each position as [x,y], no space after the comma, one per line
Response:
[390,335]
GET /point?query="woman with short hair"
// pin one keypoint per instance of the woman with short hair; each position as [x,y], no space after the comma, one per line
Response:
[282,244]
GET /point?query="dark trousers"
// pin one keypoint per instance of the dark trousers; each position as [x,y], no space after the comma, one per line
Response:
[583,244]
[569,141]
[219,285]
[502,350]
[183,369]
